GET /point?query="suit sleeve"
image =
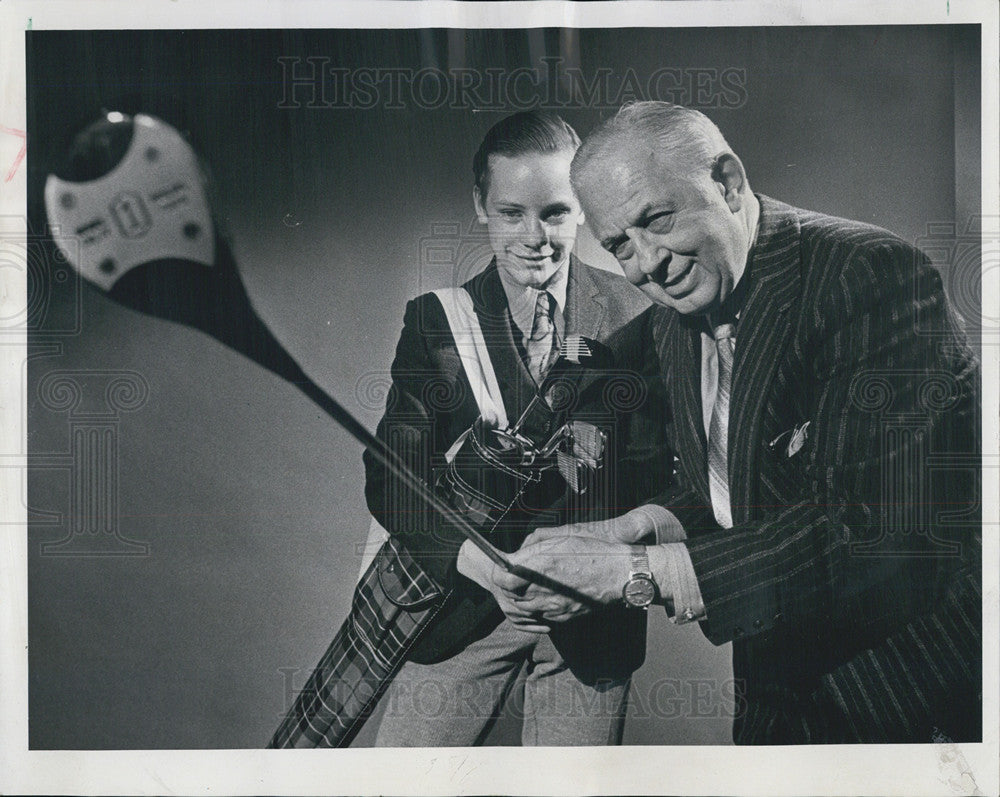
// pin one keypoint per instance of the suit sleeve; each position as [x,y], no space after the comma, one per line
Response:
[802,564]
[945,673]
[412,427]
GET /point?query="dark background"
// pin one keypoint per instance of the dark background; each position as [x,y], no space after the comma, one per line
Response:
[249,500]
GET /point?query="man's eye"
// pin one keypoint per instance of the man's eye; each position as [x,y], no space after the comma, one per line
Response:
[510,215]
[623,251]
[661,222]
[557,216]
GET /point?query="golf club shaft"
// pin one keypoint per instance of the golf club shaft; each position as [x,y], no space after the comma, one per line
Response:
[390,460]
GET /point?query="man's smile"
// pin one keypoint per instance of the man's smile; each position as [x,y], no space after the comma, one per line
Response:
[669,283]
[536,258]
[662,279]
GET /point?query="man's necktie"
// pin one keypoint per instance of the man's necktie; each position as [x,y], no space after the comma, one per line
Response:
[718,430]
[542,342]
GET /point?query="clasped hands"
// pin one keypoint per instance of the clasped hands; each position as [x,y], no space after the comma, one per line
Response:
[589,561]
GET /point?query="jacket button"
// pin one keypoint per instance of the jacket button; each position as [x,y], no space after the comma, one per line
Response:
[758,624]
[737,631]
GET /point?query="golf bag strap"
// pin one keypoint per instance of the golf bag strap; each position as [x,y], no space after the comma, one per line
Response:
[471,345]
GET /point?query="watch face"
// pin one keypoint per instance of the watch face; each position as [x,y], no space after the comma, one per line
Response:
[639,591]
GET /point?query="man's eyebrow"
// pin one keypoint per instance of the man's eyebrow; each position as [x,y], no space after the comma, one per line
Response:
[654,209]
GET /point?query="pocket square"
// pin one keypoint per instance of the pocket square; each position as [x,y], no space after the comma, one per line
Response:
[797,437]
[798,440]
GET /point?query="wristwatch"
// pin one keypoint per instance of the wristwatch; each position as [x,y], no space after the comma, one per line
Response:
[640,589]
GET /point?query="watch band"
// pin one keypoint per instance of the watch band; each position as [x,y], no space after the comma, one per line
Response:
[639,561]
[640,589]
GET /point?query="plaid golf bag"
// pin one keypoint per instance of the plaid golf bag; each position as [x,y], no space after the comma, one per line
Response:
[393,602]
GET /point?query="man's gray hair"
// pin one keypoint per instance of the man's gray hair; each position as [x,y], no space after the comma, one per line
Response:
[688,135]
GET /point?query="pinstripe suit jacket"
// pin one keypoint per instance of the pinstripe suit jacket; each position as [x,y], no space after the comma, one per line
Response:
[849,584]
[431,403]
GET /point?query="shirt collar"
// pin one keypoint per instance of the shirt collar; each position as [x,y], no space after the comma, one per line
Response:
[522,300]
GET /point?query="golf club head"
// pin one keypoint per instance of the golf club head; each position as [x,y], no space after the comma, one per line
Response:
[130,192]
[132,197]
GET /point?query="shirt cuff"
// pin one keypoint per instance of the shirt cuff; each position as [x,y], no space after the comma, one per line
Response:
[660,521]
[674,574]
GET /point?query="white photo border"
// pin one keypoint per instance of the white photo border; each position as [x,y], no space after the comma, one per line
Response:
[859,769]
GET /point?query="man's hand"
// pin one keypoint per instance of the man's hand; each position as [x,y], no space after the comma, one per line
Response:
[594,568]
[477,566]
[632,527]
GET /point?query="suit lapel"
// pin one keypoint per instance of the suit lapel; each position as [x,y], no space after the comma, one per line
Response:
[683,370]
[763,332]
[585,306]
[584,315]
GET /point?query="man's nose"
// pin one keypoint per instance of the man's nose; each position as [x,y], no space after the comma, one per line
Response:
[536,232]
[651,254]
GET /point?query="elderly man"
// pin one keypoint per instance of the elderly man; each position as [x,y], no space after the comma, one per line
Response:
[814,373]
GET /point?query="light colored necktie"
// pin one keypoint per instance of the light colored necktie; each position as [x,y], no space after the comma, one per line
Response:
[718,430]
[542,341]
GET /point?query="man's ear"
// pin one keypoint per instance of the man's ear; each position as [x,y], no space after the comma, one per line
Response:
[477,200]
[582,219]
[728,174]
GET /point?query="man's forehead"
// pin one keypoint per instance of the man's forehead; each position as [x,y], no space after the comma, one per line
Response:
[613,176]
[621,157]
[607,174]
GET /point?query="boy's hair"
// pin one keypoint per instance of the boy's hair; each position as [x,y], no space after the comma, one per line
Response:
[519,134]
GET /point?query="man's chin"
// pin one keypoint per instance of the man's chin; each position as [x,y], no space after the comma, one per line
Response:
[696,302]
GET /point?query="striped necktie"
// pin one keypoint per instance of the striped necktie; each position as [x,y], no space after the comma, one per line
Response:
[542,341]
[718,430]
